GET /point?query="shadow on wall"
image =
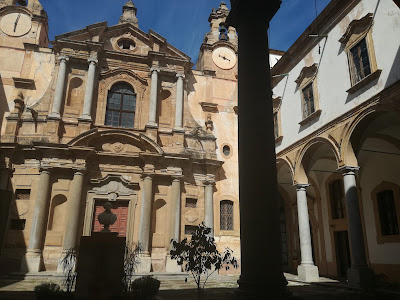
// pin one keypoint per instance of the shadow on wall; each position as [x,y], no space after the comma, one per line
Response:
[394,74]
[3,104]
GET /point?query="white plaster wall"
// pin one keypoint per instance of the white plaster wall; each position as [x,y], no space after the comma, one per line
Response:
[273,59]
[333,77]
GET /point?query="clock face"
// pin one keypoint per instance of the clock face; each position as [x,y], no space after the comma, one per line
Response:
[16,24]
[224,58]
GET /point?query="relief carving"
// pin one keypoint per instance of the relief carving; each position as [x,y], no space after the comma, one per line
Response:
[192,216]
[120,148]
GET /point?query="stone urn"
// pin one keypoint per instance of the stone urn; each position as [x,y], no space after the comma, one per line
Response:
[107,218]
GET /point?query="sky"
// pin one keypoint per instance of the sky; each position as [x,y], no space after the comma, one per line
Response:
[182,22]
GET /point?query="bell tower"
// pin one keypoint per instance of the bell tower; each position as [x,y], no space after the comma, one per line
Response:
[23,22]
[218,53]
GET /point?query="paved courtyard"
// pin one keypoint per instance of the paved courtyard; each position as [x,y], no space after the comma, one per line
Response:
[174,286]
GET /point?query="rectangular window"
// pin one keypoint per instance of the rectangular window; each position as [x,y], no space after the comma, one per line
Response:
[191,202]
[308,98]
[387,213]
[17,224]
[190,229]
[359,62]
[226,215]
[22,194]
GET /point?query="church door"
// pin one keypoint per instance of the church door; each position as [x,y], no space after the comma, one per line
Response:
[120,209]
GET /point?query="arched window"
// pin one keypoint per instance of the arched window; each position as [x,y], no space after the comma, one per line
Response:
[121,104]
[338,201]
[226,215]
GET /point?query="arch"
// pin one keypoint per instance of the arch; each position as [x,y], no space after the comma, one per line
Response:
[300,176]
[281,161]
[347,152]
[94,137]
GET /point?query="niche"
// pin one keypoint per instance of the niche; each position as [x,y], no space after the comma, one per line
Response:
[165,115]
[159,223]
[57,214]
[74,96]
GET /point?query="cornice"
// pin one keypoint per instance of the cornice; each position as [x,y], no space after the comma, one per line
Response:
[365,21]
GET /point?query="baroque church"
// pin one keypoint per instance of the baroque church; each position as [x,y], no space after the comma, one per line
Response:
[115,114]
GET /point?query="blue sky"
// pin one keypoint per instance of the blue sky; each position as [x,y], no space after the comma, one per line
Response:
[182,22]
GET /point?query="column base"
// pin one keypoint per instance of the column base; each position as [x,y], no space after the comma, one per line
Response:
[308,273]
[359,277]
[32,262]
[54,116]
[172,266]
[144,265]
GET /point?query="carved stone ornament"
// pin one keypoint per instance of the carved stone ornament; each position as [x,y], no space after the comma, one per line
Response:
[192,216]
[107,217]
[120,148]
[357,27]
[307,72]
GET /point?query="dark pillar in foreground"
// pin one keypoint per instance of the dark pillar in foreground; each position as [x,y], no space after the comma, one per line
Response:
[261,257]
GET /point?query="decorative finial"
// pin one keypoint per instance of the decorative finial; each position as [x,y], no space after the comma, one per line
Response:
[129,12]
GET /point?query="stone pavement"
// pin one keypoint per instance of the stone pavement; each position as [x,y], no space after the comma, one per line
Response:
[174,286]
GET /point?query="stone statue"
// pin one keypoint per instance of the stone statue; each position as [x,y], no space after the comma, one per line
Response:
[107,218]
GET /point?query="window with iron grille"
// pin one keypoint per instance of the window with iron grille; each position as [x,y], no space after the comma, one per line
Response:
[338,204]
[359,62]
[276,125]
[121,105]
[22,194]
[17,224]
[226,215]
[308,100]
[387,213]
[190,229]
[191,202]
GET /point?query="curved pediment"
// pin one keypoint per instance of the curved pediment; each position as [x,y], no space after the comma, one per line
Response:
[123,74]
[307,73]
[357,27]
[116,141]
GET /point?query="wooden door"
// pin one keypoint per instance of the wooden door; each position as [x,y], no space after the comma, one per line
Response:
[120,209]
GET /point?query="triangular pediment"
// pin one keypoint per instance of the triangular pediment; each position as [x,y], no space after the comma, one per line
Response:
[112,38]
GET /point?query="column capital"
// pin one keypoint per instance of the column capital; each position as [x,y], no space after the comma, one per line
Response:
[348,170]
[301,186]
[79,171]
[209,182]
[180,75]
[45,169]
[152,70]
[92,60]
[63,58]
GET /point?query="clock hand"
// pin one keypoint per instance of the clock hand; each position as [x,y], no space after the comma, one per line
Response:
[224,58]
[16,22]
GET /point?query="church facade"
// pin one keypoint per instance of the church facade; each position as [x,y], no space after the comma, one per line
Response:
[115,114]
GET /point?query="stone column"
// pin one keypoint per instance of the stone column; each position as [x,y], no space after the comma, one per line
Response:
[73,213]
[174,230]
[153,97]
[5,203]
[179,102]
[209,205]
[33,260]
[258,188]
[307,271]
[90,82]
[145,223]
[60,87]
[358,275]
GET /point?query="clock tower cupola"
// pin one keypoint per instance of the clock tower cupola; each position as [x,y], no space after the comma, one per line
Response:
[218,53]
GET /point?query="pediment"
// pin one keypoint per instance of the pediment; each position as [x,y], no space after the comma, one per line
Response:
[356,28]
[116,141]
[306,73]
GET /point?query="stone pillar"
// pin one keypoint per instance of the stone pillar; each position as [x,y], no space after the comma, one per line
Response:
[33,260]
[258,188]
[307,271]
[359,274]
[145,223]
[90,82]
[5,203]
[174,230]
[179,102]
[209,205]
[74,208]
[153,98]
[60,87]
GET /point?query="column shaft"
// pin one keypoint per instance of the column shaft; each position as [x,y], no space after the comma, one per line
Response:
[304,227]
[87,105]
[355,228]
[145,214]
[209,206]
[175,212]
[40,213]
[179,102]
[60,87]
[75,198]
[153,97]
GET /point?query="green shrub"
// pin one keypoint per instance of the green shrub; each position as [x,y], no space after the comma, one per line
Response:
[145,288]
[48,290]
